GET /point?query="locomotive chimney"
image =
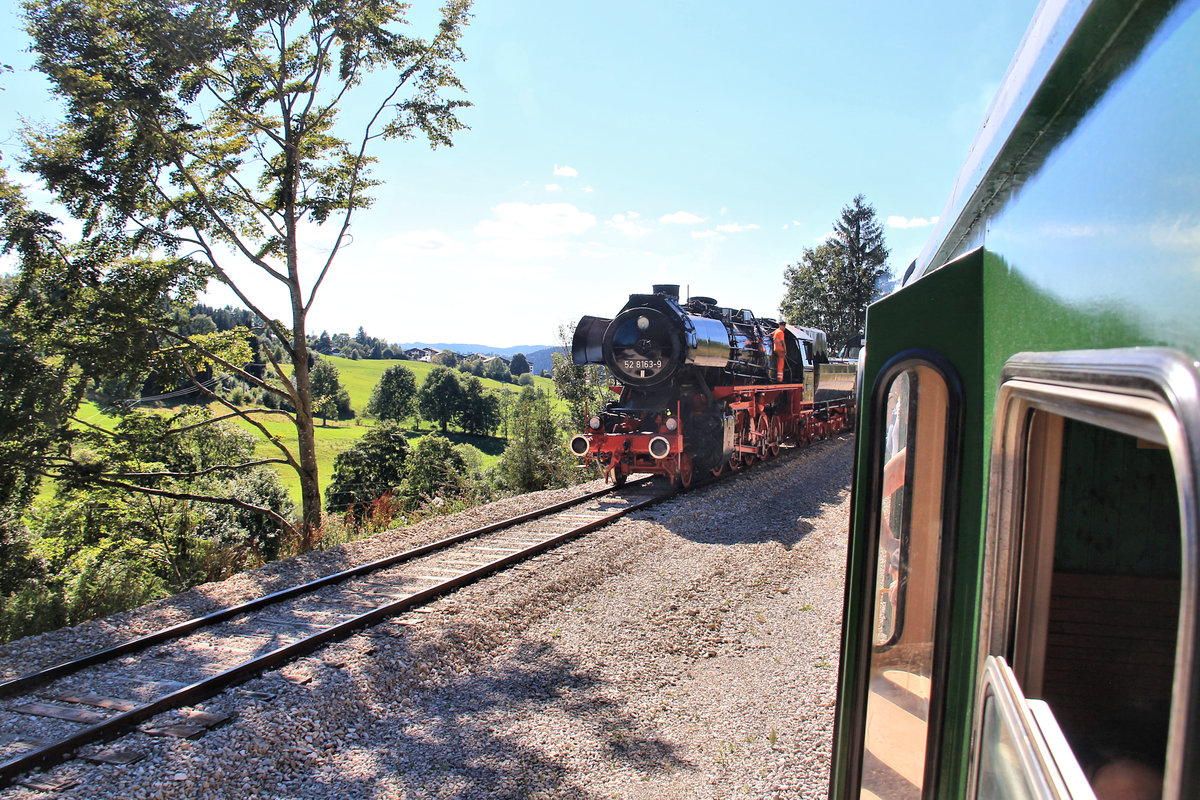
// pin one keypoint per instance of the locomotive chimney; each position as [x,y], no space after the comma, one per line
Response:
[671,290]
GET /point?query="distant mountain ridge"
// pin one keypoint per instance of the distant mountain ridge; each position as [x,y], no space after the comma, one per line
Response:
[486,349]
[539,356]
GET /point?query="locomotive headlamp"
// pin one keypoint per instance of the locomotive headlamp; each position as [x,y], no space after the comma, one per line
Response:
[643,323]
[672,424]
[594,423]
[659,448]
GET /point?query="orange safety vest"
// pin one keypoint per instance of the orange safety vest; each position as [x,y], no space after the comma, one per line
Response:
[780,352]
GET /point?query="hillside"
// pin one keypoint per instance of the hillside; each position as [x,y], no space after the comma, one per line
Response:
[541,360]
[359,378]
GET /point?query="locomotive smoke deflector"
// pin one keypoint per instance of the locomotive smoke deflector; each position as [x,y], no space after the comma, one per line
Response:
[587,345]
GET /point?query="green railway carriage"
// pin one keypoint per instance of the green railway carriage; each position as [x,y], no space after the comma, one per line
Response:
[1023,578]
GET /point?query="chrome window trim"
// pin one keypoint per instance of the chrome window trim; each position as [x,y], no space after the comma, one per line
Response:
[1153,393]
[1036,738]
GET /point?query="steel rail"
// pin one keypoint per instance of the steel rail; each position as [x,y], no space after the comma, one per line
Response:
[117,725]
[30,680]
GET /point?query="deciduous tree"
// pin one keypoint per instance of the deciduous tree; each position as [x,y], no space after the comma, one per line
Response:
[480,414]
[440,397]
[497,370]
[371,467]
[209,133]
[536,457]
[330,398]
[434,468]
[394,395]
[582,386]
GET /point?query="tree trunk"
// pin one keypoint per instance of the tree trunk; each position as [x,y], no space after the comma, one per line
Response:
[310,488]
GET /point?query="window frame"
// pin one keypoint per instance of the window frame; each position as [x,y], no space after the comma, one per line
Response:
[1150,393]
[1046,759]
[951,480]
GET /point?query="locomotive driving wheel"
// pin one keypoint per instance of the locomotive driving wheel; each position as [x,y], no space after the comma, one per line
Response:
[762,433]
[744,427]
[774,435]
[683,479]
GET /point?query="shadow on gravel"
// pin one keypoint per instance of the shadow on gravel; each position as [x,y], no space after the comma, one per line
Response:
[774,500]
[444,742]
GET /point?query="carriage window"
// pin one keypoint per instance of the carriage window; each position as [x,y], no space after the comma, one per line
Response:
[1086,523]
[910,514]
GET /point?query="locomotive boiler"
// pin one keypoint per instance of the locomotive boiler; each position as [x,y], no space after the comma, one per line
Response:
[701,387]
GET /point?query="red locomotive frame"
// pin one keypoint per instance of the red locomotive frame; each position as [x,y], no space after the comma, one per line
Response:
[765,418]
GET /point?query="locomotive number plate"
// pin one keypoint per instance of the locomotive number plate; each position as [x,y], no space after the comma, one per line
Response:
[631,364]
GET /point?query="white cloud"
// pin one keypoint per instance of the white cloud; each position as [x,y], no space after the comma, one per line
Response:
[1181,234]
[914,222]
[553,187]
[420,242]
[534,221]
[588,189]
[625,224]
[565,171]
[736,228]
[680,218]
[523,250]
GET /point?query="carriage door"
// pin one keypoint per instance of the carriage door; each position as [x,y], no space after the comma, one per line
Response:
[1087,685]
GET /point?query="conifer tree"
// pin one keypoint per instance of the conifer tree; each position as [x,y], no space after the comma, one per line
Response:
[833,283]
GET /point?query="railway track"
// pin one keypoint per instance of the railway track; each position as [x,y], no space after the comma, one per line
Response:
[56,713]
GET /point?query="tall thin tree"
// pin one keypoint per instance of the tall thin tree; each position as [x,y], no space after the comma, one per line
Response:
[209,133]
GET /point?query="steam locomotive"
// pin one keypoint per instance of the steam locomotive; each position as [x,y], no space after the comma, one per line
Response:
[700,390]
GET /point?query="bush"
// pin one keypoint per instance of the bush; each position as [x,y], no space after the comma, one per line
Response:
[536,457]
[434,470]
[93,550]
[371,467]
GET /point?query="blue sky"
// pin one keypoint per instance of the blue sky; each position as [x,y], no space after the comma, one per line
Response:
[616,145]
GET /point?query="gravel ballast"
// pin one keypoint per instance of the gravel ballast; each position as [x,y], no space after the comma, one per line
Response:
[686,651]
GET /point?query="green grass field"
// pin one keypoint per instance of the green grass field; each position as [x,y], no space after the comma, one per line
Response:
[359,378]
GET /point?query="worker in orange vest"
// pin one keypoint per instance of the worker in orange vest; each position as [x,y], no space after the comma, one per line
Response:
[780,337]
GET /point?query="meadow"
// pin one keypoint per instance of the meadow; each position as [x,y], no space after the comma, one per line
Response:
[334,436]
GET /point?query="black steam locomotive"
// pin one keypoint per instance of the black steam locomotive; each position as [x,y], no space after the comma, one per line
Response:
[702,389]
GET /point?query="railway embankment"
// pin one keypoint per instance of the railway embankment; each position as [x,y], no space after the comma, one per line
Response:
[686,651]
